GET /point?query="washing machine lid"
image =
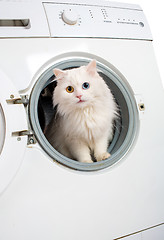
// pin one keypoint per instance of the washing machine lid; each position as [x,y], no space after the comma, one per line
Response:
[12,121]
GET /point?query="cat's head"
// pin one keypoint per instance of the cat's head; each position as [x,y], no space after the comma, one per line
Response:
[78,87]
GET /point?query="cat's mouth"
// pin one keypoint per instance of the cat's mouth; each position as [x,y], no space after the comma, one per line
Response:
[81,101]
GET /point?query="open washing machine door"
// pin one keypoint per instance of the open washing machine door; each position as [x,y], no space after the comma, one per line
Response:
[12,122]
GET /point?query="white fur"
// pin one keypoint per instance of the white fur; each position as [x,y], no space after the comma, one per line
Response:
[82,128]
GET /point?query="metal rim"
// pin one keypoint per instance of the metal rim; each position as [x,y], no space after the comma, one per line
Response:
[119,84]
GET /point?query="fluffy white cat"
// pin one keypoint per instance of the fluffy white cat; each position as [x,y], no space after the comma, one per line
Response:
[83,125]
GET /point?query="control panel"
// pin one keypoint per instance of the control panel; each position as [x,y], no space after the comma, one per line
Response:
[93,21]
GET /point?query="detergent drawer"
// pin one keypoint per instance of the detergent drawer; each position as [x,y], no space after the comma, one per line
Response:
[22,19]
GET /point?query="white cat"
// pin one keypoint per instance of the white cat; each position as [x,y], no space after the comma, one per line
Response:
[83,125]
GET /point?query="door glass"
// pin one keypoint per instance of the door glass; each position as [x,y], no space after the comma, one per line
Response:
[2,128]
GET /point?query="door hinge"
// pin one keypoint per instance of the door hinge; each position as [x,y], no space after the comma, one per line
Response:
[31,137]
[24,99]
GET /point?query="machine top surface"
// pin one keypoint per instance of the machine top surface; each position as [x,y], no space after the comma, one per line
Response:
[72,19]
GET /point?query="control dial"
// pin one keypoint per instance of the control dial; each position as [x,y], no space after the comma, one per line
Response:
[70,17]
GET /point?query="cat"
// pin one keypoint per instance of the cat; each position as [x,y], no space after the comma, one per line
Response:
[86,110]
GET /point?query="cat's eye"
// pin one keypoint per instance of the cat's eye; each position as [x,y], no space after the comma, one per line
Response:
[85,85]
[69,89]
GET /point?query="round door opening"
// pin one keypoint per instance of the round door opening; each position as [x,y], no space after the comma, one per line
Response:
[126,125]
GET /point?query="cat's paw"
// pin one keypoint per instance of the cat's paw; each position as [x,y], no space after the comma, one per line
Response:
[87,161]
[103,156]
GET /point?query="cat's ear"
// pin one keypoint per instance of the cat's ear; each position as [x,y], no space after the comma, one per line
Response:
[91,67]
[58,73]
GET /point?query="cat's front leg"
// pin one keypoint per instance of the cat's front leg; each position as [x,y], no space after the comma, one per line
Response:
[80,151]
[100,148]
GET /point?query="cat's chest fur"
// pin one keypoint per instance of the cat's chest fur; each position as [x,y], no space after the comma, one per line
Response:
[86,123]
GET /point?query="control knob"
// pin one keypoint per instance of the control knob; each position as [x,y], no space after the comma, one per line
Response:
[70,17]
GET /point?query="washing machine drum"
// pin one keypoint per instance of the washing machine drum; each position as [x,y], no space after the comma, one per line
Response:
[13,119]
[126,126]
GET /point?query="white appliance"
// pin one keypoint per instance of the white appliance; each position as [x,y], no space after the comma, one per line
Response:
[44,195]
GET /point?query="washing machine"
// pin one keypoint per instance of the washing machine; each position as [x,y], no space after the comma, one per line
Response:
[43,194]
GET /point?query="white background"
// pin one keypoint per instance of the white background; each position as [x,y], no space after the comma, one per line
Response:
[154,12]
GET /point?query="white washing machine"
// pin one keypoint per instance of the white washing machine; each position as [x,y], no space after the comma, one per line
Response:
[45,195]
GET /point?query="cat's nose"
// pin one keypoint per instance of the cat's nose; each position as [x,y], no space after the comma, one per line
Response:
[79,96]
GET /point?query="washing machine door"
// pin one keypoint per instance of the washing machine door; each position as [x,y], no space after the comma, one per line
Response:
[12,122]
